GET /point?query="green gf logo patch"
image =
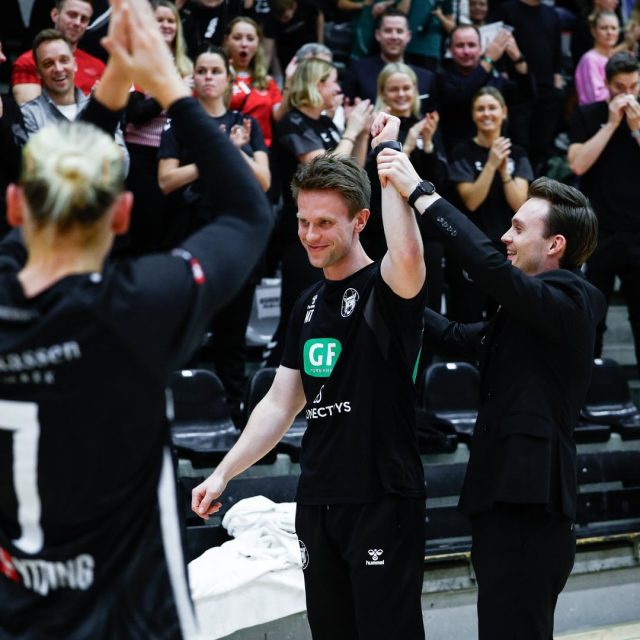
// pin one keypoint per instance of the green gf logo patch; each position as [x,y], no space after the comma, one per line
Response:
[320,356]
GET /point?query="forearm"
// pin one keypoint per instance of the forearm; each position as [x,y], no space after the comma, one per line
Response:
[515,192]
[170,180]
[113,89]
[582,156]
[266,426]
[473,194]
[260,170]
[403,264]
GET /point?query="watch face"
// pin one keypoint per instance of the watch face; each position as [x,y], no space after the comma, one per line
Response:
[428,188]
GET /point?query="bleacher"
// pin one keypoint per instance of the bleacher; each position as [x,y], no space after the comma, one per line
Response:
[608,513]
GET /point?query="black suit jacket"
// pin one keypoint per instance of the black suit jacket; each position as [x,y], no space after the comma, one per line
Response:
[536,358]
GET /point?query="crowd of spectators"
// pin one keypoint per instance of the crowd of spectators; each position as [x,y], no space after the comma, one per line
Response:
[490,96]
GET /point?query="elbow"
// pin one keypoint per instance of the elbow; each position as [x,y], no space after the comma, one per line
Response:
[576,166]
[165,186]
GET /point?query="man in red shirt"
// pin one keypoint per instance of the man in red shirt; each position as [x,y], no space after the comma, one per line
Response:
[71,18]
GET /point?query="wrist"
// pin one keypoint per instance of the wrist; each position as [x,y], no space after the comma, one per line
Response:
[519,60]
[488,59]
[635,133]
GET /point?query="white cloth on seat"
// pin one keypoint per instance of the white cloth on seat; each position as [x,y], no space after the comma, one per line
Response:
[255,578]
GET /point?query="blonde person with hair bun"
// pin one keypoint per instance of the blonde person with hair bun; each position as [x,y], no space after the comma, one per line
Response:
[89,530]
[145,122]
[304,133]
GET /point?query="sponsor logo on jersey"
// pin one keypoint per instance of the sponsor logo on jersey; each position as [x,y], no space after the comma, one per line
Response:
[43,576]
[328,411]
[311,307]
[318,398]
[349,299]
[304,554]
[374,554]
[320,356]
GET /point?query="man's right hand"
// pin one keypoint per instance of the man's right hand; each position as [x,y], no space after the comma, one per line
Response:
[203,496]
[617,108]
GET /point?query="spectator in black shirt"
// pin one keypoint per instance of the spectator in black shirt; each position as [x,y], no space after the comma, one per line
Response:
[470,69]
[533,125]
[289,25]
[204,22]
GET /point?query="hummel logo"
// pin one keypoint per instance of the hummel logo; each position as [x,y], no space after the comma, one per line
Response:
[375,554]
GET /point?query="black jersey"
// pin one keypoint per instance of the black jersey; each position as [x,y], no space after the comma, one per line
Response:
[90,544]
[356,344]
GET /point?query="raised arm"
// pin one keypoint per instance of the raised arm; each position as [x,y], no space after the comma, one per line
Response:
[268,422]
[583,155]
[402,266]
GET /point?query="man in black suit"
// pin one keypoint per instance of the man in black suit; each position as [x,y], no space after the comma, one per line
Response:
[393,36]
[536,357]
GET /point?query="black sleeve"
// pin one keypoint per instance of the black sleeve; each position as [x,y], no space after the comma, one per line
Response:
[552,305]
[141,109]
[579,131]
[169,146]
[182,291]
[453,340]
[257,138]
[102,117]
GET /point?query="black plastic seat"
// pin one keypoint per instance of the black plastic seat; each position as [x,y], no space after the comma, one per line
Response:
[201,428]
[258,385]
[609,400]
[451,392]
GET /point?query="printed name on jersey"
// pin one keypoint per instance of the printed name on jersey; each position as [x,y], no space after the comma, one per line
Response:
[320,356]
[311,307]
[30,364]
[349,299]
[43,576]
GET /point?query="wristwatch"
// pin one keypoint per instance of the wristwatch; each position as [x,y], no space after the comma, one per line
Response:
[424,188]
[388,144]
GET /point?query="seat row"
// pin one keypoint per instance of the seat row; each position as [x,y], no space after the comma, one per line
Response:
[448,399]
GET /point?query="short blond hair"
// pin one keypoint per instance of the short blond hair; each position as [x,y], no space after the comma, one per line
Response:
[387,71]
[304,83]
[71,174]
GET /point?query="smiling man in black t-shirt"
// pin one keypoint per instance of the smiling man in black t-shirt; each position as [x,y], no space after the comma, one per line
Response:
[349,361]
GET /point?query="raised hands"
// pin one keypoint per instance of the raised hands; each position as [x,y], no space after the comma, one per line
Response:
[499,152]
[241,134]
[136,46]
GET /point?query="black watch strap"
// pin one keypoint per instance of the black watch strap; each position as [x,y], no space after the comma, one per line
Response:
[388,144]
[423,188]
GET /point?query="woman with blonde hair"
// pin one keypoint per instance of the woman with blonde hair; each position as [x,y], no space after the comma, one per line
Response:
[590,80]
[303,133]
[145,122]
[89,526]
[253,91]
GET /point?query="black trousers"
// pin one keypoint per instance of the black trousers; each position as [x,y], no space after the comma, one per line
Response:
[363,569]
[618,254]
[522,557]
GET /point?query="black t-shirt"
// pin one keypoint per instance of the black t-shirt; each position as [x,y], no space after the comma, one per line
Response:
[189,210]
[290,36]
[494,215]
[297,134]
[90,544]
[612,180]
[356,345]
[206,25]
[537,32]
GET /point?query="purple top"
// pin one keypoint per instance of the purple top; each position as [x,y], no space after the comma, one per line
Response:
[590,78]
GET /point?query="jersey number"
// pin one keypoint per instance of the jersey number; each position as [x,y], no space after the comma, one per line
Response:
[22,419]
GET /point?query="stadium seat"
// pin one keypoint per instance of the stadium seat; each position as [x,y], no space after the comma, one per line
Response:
[264,318]
[201,428]
[258,385]
[451,392]
[609,400]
